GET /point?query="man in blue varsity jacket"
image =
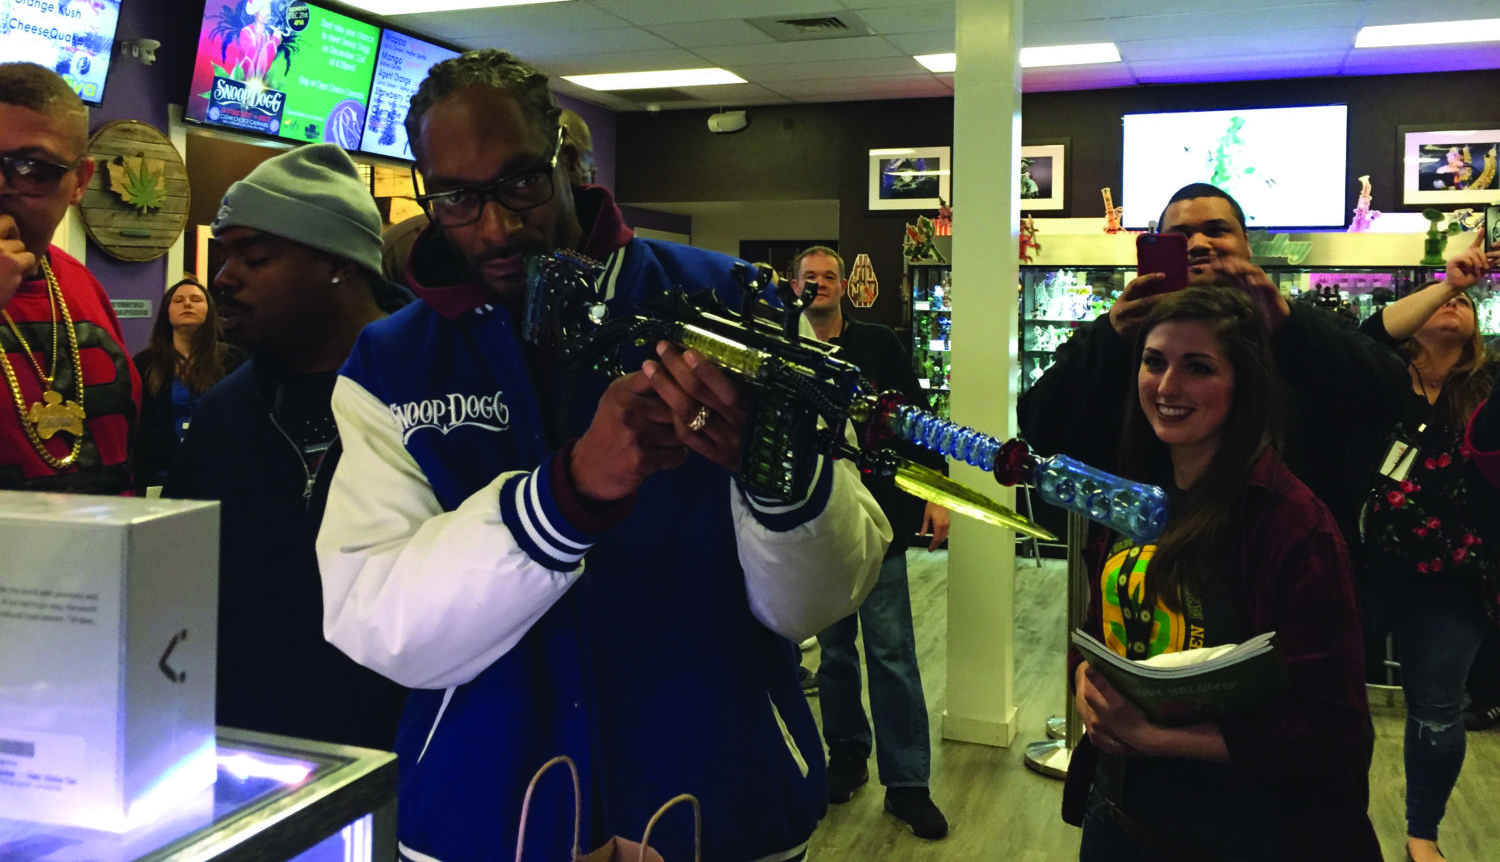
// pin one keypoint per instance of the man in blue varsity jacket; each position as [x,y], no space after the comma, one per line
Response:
[559,564]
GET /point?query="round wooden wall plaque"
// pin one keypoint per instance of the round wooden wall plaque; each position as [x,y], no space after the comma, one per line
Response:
[137,203]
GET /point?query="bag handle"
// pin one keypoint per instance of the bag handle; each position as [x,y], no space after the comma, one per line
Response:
[697,825]
[577,805]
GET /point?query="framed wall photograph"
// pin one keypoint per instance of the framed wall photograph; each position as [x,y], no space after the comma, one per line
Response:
[1043,177]
[1442,165]
[910,178]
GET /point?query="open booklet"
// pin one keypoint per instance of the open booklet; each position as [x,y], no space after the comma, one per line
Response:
[1193,685]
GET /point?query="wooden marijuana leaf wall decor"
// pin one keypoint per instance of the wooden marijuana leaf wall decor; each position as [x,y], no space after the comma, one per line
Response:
[139,181]
[136,205]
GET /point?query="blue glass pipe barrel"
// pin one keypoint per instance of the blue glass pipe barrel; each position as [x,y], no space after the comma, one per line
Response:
[1132,508]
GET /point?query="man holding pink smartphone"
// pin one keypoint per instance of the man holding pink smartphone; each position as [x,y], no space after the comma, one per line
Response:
[1334,379]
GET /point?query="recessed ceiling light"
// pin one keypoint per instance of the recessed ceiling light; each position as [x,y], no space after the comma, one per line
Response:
[412,7]
[1031,58]
[1070,55]
[1430,33]
[939,63]
[650,80]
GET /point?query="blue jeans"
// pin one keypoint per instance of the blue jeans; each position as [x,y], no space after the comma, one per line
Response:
[903,750]
[1439,624]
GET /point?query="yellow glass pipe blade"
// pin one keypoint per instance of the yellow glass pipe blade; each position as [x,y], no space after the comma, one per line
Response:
[931,485]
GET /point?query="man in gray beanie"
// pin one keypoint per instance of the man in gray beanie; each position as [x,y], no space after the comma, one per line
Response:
[301,243]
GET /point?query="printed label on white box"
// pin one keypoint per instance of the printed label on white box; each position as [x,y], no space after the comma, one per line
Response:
[31,760]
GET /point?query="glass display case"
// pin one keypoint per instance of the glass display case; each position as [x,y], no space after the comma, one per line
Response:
[275,798]
[931,330]
[1055,300]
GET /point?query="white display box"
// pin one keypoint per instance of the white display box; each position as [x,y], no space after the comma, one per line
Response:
[108,636]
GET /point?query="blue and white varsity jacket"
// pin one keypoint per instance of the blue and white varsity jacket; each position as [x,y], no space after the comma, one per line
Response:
[655,653]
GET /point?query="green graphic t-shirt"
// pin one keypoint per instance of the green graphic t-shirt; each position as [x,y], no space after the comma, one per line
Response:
[1138,632]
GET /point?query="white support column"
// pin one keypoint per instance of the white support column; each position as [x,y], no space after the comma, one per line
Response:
[981,565]
[177,131]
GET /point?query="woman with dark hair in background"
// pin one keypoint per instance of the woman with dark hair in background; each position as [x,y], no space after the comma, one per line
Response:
[1430,562]
[1247,549]
[184,357]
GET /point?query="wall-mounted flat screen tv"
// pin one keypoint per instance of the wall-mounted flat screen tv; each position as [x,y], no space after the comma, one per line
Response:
[287,68]
[400,66]
[1285,166]
[75,38]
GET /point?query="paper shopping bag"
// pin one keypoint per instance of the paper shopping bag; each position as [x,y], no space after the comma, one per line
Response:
[616,849]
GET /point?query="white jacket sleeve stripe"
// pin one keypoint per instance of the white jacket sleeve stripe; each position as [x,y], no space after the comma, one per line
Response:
[554,530]
[426,597]
[545,551]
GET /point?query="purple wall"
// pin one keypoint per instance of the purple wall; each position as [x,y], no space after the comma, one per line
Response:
[139,92]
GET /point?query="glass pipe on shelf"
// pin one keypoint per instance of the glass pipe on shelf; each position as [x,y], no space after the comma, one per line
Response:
[1067,295]
[1049,336]
[1039,367]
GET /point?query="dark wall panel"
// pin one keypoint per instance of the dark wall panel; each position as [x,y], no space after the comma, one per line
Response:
[798,152]
[792,152]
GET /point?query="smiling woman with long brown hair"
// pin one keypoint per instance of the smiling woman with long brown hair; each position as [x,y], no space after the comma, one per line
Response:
[185,356]
[1247,550]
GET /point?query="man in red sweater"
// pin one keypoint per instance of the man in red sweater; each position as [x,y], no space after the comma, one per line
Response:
[73,395]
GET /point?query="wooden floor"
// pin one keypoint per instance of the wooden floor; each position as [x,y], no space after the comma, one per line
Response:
[998,809]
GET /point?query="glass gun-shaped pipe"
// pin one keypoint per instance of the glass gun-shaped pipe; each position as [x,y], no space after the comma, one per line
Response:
[799,395]
[1134,509]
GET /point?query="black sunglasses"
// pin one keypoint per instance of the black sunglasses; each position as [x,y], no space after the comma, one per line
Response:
[518,192]
[34,177]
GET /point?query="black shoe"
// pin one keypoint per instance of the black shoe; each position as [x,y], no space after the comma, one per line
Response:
[809,680]
[847,770]
[1479,716]
[914,805]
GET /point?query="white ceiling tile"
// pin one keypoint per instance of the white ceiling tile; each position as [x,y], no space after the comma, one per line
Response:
[1075,78]
[1339,16]
[909,19]
[731,95]
[1049,11]
[1238,45]
[636,61]
[648,12]
[558,17]
[844,89]
[618,41]
[1066,32]
[861,5]
[1389,61]
[884,67]
[708,34]
[1241,68]
[1403,12]
[923,43]
[858,48]
[607,100]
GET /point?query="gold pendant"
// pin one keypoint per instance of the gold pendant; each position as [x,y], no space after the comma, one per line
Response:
[56,415]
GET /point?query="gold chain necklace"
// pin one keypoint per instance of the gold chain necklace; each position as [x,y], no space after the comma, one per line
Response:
[53,413]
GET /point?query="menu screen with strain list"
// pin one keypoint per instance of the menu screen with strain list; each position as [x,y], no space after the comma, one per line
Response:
[286,68]
[74,38]
[399,69]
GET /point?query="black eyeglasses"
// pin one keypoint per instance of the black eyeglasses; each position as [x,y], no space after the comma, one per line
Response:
[518,192]
[34,177]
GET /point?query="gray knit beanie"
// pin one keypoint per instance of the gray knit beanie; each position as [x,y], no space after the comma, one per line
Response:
[312,195]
